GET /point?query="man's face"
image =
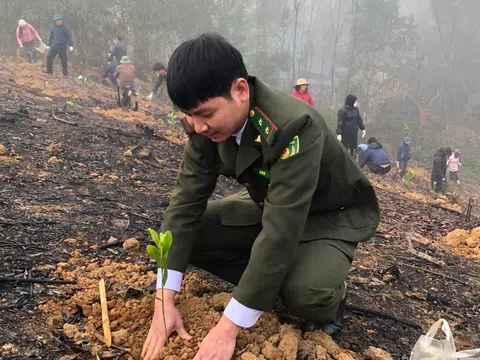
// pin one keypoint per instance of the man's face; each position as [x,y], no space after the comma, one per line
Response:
[408,142]
[161,72]
[219,118]
[58,22]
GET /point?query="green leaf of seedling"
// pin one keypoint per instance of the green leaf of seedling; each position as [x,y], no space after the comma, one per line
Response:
[70,103]
[166,242]
[154,236]
[155,254]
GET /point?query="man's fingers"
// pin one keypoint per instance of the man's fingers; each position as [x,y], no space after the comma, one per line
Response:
[184,334]
[156,351]
[146,345]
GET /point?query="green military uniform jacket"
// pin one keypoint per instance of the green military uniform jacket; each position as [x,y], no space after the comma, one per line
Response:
[295,169]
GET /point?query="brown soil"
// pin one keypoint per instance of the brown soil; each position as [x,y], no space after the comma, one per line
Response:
[113,179]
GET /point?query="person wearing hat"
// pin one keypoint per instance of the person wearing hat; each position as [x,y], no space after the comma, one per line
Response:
[161,72]
[26,35]
[301,91]
[349,121]
[58,43]
[403,155]
[126,74]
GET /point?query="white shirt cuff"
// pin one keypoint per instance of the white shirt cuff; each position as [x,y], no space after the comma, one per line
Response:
[241,315]
[174,280]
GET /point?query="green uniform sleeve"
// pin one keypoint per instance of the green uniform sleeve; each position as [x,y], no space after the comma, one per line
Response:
[293,182]
[158,83]
[195,184]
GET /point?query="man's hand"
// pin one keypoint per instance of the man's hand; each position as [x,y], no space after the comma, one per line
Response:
[363,133]
[339,137]
[220,342]
[149,97]
[398,164]
[71,48]
[156,336]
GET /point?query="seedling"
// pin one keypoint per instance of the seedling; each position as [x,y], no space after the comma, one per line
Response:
[159,252]
[410,176]
[171,117]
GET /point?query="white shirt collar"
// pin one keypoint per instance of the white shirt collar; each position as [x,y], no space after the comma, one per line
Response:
[238,135]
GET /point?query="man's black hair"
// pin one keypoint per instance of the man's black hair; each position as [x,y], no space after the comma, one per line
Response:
[374,140]
[120,38]
[203,68]
[350,100]
[159,66]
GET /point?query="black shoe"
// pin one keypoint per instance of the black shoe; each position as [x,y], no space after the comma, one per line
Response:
[330,328]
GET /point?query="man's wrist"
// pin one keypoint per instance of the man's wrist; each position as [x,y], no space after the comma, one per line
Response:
[167,296]
[228,327]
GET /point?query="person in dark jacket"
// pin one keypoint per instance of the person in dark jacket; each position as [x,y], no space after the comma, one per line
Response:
[349,121]
[110,71]
[403,155]
[376,158]
[60,39]
[161,72]
[119,50]
[439,170]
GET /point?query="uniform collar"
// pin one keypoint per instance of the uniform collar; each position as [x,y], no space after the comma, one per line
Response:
[238,135]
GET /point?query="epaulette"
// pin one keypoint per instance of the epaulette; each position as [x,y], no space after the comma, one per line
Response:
[189,130]
[267,128]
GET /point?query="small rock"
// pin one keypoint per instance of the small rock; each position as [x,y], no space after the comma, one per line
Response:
[128,153]
[53,160]
[272,353]
[120,337]
[248,356]
[274,339]
[321,353]
[289,342]
[172,357]
[345,356]
[70,241]
[416,295]
[3,151]
[53,149]
[56,322]
[373,353]
[168,133]
[87,310]
[9,349]
[131,244]
[388,277]
[70,330]
[119,224]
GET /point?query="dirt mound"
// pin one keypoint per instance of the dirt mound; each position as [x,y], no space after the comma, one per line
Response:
[77,313]
[465,243]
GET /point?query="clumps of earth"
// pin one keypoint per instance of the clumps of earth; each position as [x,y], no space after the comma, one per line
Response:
[76,316]
[465,243]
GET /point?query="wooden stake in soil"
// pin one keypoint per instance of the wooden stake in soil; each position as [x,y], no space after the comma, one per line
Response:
[105,321]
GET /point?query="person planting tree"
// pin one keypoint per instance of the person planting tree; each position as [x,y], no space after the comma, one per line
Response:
[291,233]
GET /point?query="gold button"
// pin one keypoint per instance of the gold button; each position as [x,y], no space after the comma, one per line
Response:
[252,113]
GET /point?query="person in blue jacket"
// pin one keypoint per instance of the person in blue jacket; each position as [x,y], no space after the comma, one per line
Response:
[403,155]
[60,40]
[110,70]
[376,158]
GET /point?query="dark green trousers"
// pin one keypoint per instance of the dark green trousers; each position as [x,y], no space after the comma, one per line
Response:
[314,285]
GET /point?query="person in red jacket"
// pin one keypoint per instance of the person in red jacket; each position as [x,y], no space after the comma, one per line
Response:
[301,91]
[26,35]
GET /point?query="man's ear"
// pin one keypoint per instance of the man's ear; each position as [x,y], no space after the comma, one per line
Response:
[240,90]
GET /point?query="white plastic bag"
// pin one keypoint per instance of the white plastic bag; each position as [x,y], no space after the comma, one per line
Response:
[429,348]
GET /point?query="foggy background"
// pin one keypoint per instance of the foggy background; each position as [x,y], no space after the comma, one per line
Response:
[414,64]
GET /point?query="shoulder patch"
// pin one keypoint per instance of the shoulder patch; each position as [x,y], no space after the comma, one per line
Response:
[189,130]
[267,128]
[292,148]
